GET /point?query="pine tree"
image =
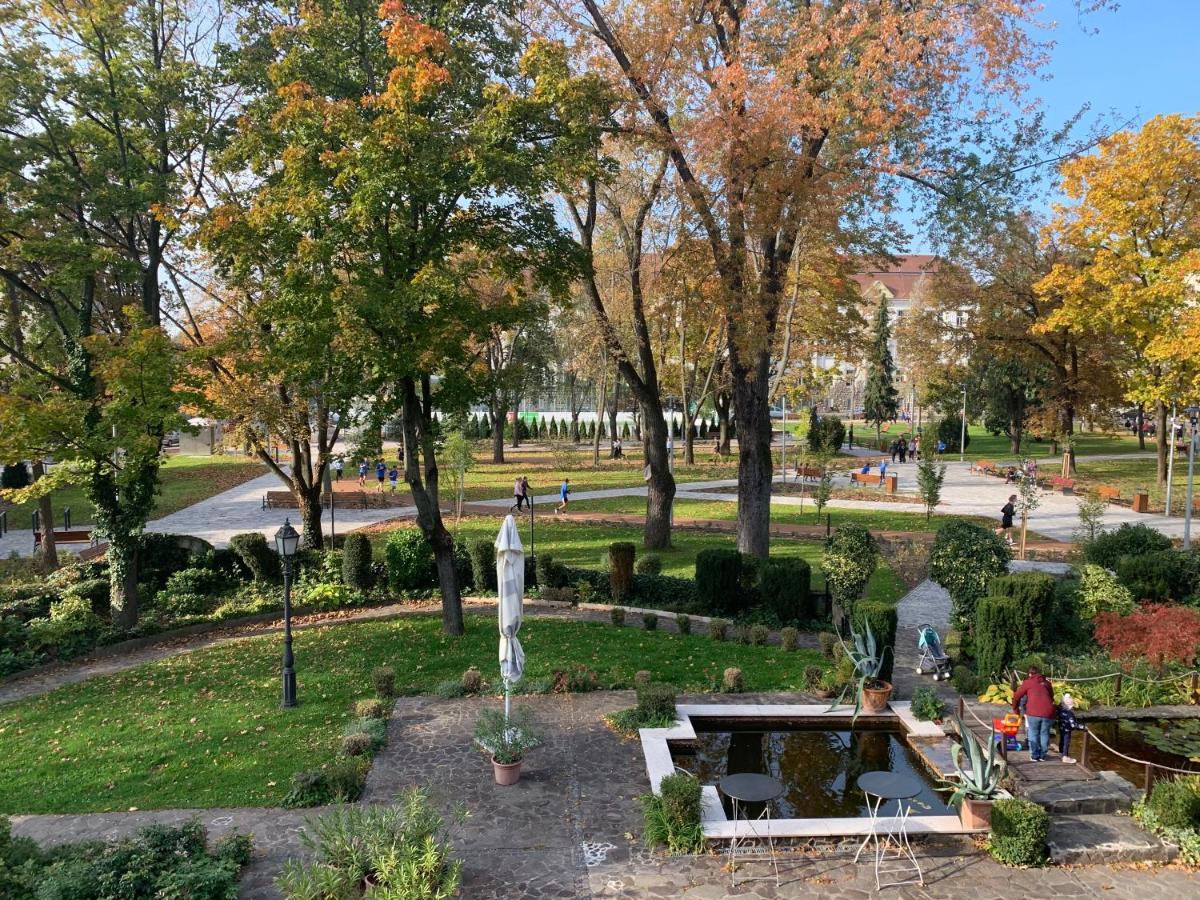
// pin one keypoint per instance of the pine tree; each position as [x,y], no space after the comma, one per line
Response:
[625,431]
[880,401]
[704,429]
[814,431]
[554,432]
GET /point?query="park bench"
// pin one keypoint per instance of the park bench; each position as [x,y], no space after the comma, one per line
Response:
[1066,485]
[983,467]
[345,500]
[873,478]
[279,500]
[67,536]
[1108,492]
[808,473]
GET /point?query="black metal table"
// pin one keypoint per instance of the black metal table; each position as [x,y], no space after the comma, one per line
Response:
[881,787]
[741,789]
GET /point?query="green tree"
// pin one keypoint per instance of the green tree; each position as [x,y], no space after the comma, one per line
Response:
[414,152]
[1011,389]
[880,400]
[930,476]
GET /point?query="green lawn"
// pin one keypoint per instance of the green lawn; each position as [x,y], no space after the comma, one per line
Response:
[1132,475]
[183,480]
[205,729]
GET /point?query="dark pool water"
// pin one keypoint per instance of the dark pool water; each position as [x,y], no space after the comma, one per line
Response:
[818,766]
[1152,740]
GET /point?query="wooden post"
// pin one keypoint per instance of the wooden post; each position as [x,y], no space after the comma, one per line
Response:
[1083,751]
[1195,687]
[962,707]
[1117,696]
[1148,780]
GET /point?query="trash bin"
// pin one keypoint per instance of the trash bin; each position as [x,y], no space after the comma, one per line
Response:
[1141,502]
[891,482]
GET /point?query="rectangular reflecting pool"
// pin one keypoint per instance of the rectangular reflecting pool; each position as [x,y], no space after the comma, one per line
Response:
[817,764]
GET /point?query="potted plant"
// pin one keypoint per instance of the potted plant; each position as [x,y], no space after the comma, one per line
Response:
[871,693]
[826,684]
[976,785]
[506,740]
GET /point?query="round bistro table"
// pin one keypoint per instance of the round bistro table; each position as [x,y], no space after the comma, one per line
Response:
[746,788]
[890,831]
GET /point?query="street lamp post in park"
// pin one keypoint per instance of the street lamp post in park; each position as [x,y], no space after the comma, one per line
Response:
[1194,417]
[287,541]
[962,435]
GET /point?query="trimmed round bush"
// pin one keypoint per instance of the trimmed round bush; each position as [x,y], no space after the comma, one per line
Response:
[409,561]
[999,635]
[718,629]
[718,580]
[758,635]
[1176,804]
[829,644]
[370,709]
[684,623]
[383,678]
[648,564]
[1107,548]
[472,681]
[1019,832]
[650,621]
[656,701]
[356,561]
[964,559]
[789,638]
[641,677]
[618,615]
[851,555]
[783,589]
[357,744]
[732,681]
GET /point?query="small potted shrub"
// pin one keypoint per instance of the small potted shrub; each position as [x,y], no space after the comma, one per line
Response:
[506,741]
[926,705]
[976,785]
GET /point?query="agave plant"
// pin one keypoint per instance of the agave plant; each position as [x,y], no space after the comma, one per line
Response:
[864,652]
[980,778]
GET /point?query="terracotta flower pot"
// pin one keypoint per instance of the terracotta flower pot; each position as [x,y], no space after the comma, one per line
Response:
[506,773]
[976,813]
[875,699]
[822,693]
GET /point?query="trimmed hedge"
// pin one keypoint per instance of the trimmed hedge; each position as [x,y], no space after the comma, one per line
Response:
[409,561]
[1176,804]
[356,561]
[483,563]
[1157,576]
[256,555]
[999,634]
[1019,832]
[881,616]
[1034,593]
[783,589]
[1107,548]
[964,559]
[718,580]
[851,555]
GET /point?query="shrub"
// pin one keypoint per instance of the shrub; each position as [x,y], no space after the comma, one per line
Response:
[370,709]
[383,678]
[550,572]
[732,681]
[449,689]
[964,680]
[1156,632]
[828,642]
[641,677]
[1100,592]
[332,596]
[1154,576]
[833,434]
[881,616]
[851,555]
[1034,593]
[664,592]
[813,676]
[758,634]
[926,705]
[357,744]
[999,634]
[472,681]
[950,431]
[409,561]
[620,569]
[618,615]
[672,816]
[1176,804]
[650,621]
[718,580]
[193,581]
[783,589]
[374,729]
[181,605]
[718,629]
[789,638]
[656,702]
[684,623]
[356,562]
[1128,540]
[256,555]
[583,592]
[558,595]
[15,475]
[483,563]
[225,561]
[579,679]
[1019,832]
[70,629]
[648,564]
[965,557]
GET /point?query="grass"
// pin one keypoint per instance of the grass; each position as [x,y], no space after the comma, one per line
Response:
[183,480]
[205,729]
[1132,475]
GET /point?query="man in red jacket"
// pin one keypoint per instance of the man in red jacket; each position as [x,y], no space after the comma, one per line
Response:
[1038,695]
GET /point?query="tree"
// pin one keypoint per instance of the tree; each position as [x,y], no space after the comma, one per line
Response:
[930,476]
[773,116]
[409,153]
[1011,388]
[1133,232]
[880,403]
[110,115]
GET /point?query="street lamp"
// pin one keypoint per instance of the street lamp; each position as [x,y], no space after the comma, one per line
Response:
[962,435]
[287,541]
[1193,414]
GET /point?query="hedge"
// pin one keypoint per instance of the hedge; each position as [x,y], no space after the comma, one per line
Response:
[1034,593]
[783,589]
[718,580]
[881,616]
[964,559]
[256,554]
[356,561]
[483,563]
[1107,548]
[1019,832]
[999,634]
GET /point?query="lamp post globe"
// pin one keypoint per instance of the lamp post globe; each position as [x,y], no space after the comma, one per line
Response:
[287,542]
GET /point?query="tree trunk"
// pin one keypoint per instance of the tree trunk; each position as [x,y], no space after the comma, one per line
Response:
[574,426]
[689,443]
[498,419]
[601,403]
[123,580]
[751,405]
[308,499]
[49,550]
[722,405]
[1161,443]
[660,490]
[1140,420]
[612,412]
[1014,438]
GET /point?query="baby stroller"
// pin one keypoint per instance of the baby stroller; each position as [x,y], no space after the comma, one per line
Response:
[933,657]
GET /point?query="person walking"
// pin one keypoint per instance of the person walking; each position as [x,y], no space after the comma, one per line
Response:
[518,495]
[895,450]
[338,465]
[1067,724]
[362,472]
[850,445]
[941,447]
[393,477]
[1007,512]
[564,493]
[916,448]
[525,492]
[380,474]
[1038,695]
[903,449]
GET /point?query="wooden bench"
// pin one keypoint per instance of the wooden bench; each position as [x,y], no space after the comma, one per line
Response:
[67,536]
[279,500]
[983,466]
[1066,485]
[1108,492]
[866,478]
[808,473]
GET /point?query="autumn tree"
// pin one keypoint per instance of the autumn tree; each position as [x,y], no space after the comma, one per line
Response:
[772,112]
[109,116]
[406,144]
[1131,229]
[880,402]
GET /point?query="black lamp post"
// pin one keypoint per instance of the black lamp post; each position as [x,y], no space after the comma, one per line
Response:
[287,540]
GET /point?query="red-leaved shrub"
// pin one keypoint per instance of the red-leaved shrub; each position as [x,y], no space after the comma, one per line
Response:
[1156,632]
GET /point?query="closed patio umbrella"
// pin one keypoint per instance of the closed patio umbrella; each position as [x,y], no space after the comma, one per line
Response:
[510,584]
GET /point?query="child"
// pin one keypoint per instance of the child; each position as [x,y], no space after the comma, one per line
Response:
[380,474]
[393,477]
[1007,511]
[564,493]
[362,472]
[1067,724]
[338,465]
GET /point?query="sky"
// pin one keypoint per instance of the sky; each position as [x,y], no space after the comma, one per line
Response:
[1128,66]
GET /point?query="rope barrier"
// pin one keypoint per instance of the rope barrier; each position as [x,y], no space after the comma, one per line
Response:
[1140,762]
[1174,679]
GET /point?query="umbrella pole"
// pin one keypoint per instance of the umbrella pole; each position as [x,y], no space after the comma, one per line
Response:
[507,699]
